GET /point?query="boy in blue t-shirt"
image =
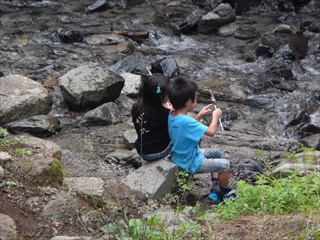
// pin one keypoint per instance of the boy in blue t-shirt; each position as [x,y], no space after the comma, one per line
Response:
[185,133]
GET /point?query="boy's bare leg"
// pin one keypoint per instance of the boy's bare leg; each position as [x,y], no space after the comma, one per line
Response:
[143,162]
[214,174]
[224,178]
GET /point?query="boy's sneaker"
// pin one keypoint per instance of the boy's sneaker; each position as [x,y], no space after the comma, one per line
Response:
[229,195]
[215,196]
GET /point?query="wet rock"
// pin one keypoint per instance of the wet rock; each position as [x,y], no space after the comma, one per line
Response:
[131,63]
[300,1]
[290,18]
[309,26]
[220,16]
[232,138]
[274,41]
[316,94]
[245,34]
[304,130]
[286,53]
[125,4]
[259,84]
[298,125]
[284,28]
[166,66]
[312,141]
[285,6]
[296,117]
[71,36]
[228,29]
[221,90]
[281,70]
[98,6]
[126,47]
[189,23]
[105,39]
[264,51]
[289,86]
[245,6]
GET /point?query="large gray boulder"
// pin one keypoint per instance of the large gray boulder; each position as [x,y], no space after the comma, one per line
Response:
[89,86]
[155,179]
[22,97]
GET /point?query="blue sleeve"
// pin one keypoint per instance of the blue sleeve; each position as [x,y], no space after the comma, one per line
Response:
[195,130]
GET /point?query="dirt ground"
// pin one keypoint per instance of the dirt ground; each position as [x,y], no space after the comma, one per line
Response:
[30,224]
[24,205]
[23,202]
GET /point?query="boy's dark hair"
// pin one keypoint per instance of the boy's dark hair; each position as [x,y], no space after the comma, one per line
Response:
[154,90]
[180,90]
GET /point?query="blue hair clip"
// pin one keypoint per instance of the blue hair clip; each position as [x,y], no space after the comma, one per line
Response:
[158,90]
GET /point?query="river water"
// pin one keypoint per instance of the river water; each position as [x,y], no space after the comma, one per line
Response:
[30,45]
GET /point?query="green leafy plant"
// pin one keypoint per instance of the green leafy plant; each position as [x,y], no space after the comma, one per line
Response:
[3,133]
[23,151]
[304,159]
[136,228]
[13,183]
[185,181]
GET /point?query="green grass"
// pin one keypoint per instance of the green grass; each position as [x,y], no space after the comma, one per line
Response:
[274,196]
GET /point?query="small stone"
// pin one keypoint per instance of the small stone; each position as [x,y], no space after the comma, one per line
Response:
[4,156]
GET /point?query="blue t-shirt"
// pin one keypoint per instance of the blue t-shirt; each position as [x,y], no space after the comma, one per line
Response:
[185,133]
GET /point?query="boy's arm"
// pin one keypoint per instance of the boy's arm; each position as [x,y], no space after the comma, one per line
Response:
[211,131]
[204,111]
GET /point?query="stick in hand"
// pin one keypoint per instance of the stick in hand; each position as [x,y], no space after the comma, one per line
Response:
[214,104]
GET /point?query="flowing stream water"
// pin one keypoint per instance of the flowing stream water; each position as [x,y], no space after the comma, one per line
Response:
[30,45]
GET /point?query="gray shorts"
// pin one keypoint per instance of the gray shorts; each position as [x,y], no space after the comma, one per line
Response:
[215,164]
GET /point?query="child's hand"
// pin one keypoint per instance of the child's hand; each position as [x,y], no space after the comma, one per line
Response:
[203,112]
[217,113]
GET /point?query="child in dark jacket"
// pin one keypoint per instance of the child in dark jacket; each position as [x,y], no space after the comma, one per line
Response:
[150,119]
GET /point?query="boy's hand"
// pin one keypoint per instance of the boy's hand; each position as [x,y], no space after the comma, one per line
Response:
[217,113]
[203,112]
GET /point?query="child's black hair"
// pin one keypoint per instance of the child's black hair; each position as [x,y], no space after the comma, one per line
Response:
[154,90]
[180,90]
